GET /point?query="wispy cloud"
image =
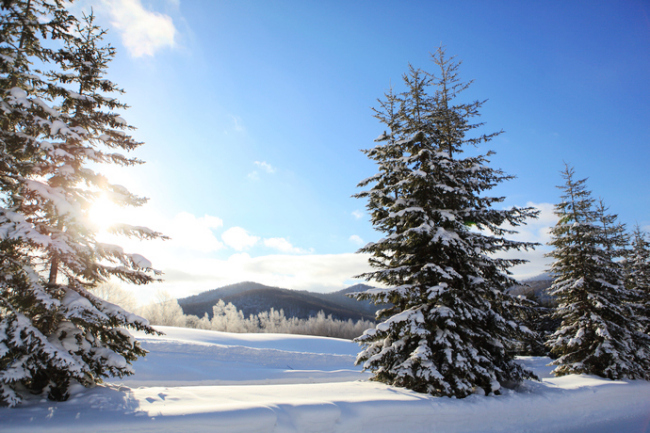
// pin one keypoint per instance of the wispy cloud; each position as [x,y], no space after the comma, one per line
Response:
[253,175]
[357,214]
[238,238]
[355,239]
[237,123]
[265,166]
[143,32]
[282,245]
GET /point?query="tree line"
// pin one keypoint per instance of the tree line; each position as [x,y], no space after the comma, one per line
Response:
[166,311]
[227,318]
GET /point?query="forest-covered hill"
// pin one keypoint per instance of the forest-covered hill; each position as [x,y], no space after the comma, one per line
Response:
[253,298]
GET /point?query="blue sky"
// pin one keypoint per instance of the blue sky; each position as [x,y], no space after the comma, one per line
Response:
[254,114]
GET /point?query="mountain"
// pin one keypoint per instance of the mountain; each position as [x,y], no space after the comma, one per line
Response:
[535,289]
[253,298]
[342,299]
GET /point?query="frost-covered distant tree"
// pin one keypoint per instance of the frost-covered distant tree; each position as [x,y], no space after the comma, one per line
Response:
[226,317]
[599,332]
[192,321]
[451,329]
[115,294]
[165,311]
[54,125]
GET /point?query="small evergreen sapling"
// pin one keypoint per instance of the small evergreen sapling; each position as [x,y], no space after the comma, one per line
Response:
[450,330]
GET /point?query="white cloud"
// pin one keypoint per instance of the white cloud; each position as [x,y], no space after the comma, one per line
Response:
[355,239]
[265,166]
[537,263]
[357,214]
[143,32]
[187,232]
[212,221]
[282,245]
[238,238]
[534,231]
[192,233]
[190,267]
[547,215]
[318,273]
[537,230]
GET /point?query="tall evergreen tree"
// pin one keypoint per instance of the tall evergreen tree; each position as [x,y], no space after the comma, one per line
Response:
[53,330]
[638,277]
[450,329]
[599,332]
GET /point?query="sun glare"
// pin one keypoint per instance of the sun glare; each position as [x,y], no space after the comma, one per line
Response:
[103,213]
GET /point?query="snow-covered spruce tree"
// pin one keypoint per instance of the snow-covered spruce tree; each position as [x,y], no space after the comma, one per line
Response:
[599,333]
[638,277]
[450,330]
[53,330]
[613,237]
[537,318]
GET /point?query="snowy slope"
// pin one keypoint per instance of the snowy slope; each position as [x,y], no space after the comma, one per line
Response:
[208,381]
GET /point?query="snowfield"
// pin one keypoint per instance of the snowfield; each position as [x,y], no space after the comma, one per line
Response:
[195,381]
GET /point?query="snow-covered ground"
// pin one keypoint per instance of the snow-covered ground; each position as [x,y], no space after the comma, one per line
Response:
[195,381]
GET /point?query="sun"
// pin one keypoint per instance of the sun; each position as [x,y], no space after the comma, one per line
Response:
[103,213]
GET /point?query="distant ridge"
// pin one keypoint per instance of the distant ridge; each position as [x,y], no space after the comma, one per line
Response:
[544,276]
[536,288]
[253,298]
[216,294]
